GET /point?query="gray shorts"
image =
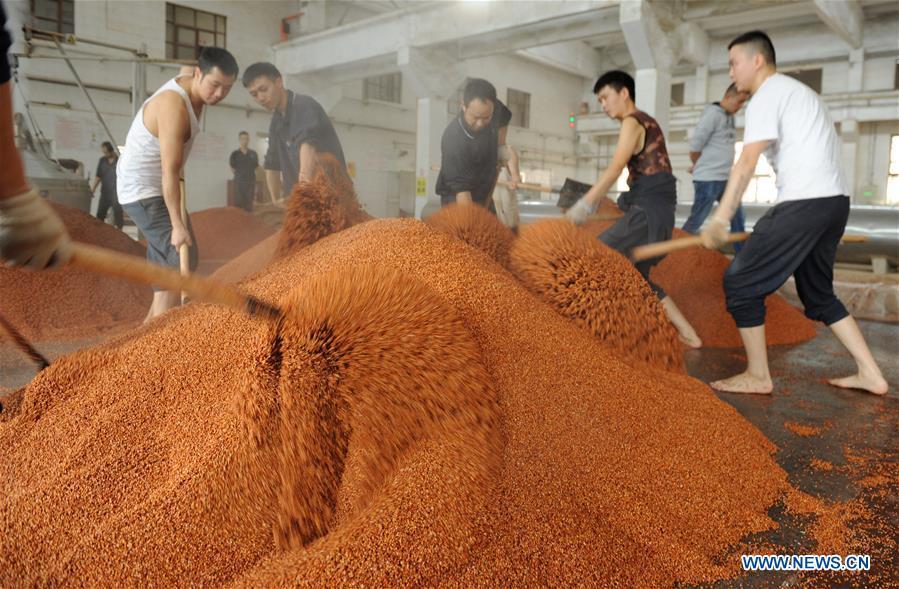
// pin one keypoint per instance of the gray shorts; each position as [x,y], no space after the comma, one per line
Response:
[152,218]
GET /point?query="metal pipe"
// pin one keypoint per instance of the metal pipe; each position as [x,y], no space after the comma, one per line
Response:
[116,89]
[150,60]
[878,224]
[89,99]
[138,84]
[41,140]
[71,39]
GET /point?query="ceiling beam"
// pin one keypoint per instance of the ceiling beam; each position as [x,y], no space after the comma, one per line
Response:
[844,18]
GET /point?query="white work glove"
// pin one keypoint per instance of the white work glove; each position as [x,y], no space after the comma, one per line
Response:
[31,233]
[580,212]
[714,234]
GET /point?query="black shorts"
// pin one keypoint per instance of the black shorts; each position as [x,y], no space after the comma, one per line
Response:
[152,218]
[798,238]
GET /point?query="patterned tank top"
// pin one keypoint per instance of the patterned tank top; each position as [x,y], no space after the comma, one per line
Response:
[653,158]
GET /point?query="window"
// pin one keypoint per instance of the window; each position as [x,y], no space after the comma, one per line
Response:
[187,30]
[762,187]
[520,104]
[811,78]
[893,176]
[677,94]
[53,15]
[388,88]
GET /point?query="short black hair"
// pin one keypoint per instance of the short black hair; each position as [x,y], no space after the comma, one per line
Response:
[259,69]
[243,133]
[107,146]
[479,88]
[760,43]
[617,79]
[212,57]
[731,90]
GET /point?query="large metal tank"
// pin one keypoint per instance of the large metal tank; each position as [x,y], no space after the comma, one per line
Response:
[878,224]
[49,178]
[55,182]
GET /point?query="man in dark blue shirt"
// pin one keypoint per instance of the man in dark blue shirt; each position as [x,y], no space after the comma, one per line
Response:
[244,162]
[299,131]
[106,178]
[471,146]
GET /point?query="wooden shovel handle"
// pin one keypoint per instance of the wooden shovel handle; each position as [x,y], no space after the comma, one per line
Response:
[654,250]
[527,186]
[118,265]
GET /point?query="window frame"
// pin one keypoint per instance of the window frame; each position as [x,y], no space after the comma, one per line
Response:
[383,88]
[173,28]
[520,106]
[763,171]
[892,176]
[61,25]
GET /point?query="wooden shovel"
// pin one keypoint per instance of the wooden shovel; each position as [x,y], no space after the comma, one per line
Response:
[184,249]
[654,250]
[118,265]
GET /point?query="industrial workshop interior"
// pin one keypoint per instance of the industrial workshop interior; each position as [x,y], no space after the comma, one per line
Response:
[430,293]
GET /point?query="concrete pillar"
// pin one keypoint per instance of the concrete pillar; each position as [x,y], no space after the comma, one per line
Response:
[432,118]
[138,84]
[849,137]
[429,73]
[653,55]
[654,94]
[701,90]
[856,81]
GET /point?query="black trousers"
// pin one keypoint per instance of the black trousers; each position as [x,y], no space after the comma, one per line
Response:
[110,200]
[243,195]
[627,233]
[797,238]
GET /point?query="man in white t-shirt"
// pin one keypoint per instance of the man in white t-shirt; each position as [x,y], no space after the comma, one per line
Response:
[799,235]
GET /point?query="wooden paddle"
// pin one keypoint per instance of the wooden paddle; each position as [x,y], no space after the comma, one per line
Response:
[118,265]
[654,250]
[184,249]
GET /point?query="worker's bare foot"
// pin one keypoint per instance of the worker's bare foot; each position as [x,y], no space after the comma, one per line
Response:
[872,383]
[744,383]
[685,331]
[690,339]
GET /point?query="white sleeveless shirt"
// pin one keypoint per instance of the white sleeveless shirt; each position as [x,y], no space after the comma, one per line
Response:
[139,171]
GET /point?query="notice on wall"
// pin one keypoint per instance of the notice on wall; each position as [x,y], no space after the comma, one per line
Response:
[210,147]
[421,186]
[75,134]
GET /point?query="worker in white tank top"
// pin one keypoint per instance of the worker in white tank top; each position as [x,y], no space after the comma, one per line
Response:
[156,149]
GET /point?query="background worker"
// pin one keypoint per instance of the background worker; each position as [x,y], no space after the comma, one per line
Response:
[300,129]
[473,148]
[712,154]
[156,149]
[243,162]
[799,235]
[31,233]
[649,205]
[105,177]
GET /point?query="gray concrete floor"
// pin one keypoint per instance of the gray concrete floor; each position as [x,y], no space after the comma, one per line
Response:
[851,423]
